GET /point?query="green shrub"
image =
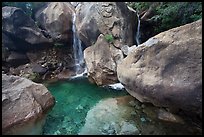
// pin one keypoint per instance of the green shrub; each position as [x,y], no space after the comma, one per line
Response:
[109,38]
[174,14]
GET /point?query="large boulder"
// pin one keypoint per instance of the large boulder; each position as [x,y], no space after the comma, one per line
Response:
[166,70]
[24,106]
[111,18]
[56,19]
[20,28]
[105,27]
[101,61]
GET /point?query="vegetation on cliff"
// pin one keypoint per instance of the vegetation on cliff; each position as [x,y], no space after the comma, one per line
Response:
[168,14]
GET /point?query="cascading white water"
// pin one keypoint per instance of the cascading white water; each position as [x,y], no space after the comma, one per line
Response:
[77,48]
[138,30]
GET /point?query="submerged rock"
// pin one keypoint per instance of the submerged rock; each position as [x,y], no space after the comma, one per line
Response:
[166,70]
[110,117]
[128,129]
[24,106]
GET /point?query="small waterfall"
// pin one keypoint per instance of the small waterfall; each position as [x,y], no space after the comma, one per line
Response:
[77,48]
[137,38]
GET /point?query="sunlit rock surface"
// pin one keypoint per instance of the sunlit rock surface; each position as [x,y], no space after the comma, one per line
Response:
[166,70]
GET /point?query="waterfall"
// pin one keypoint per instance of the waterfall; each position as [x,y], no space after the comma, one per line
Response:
[138,30]
[77,48]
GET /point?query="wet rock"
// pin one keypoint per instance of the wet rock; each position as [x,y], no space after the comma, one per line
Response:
[24,106]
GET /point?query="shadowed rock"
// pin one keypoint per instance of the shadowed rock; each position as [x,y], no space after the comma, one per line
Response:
[20,28]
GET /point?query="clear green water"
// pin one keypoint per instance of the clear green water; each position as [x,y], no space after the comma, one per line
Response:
[74,98]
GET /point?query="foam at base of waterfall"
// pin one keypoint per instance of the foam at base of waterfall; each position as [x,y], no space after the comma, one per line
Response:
[83,74]
[117,86]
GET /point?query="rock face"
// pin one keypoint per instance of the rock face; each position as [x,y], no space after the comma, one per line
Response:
[22,29]
[166,70]
[56,20]
[24,106]
[107,26]
[94,18]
